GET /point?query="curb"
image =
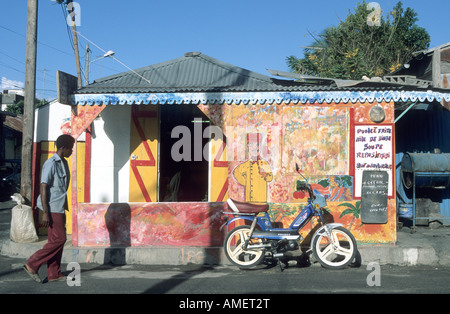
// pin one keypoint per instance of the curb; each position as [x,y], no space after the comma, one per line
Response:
[124,255]
[383,255]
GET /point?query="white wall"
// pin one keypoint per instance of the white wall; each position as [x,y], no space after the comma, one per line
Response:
[110,155]
[109,150]
[48,121]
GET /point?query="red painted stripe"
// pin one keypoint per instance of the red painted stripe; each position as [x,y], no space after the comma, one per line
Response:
[352,148]
[223,191]
[143,137]
[87,169]
[142,163]
[140,182]
[352,142]
[217,162]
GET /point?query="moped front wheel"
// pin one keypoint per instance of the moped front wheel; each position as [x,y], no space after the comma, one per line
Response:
[335,253]
[234,251]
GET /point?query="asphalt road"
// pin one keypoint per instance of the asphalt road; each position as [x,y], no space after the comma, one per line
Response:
[205,283]
[194,279]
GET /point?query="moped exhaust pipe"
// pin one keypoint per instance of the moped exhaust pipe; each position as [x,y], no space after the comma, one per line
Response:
[258,246]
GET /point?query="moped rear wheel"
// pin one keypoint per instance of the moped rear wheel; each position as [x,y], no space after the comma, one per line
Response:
[337,255]
[236,254]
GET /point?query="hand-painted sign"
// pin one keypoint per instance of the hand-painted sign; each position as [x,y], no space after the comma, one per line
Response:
[373,151]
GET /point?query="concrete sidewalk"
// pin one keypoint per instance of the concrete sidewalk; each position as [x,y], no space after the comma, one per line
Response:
[424,247]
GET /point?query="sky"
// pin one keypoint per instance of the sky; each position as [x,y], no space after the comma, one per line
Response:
[252,34]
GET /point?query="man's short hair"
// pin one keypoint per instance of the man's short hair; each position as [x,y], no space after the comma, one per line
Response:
[65,140]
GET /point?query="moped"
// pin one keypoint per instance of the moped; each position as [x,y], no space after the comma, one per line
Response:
[249,244]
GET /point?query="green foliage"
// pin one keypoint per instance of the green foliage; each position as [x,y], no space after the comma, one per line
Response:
[343,181]
[301,185]
[17,108]
[354,49]
[324,183]
[355,210]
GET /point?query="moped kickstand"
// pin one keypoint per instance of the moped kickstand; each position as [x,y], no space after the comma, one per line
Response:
[280,264]
[277,257]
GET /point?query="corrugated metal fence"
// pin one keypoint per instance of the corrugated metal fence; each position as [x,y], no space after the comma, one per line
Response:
[422,131]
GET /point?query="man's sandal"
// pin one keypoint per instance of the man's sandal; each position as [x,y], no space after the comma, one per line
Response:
[33,276]
[62,278]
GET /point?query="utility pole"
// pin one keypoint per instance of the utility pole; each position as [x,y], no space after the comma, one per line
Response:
[75,42]
[26,187]
[88,66]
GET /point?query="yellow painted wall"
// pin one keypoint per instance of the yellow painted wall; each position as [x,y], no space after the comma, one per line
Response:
[218,186]
[144,176]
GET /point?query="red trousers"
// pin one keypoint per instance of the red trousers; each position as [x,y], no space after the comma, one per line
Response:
[51,253]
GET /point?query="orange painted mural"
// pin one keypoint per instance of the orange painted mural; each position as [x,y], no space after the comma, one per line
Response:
[256,161]
[320,140]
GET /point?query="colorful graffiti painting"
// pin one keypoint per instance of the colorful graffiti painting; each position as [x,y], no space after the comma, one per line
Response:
[315,138]
[254,173]
[320,140]
[143,224]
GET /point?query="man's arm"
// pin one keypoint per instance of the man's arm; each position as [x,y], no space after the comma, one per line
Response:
[45,216]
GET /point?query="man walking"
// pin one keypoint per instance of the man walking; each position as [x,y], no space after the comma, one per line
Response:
[53,203]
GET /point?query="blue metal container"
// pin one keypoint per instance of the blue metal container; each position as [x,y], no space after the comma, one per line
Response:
[428,170]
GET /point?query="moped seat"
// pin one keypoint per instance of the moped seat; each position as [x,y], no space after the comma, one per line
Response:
[246,208]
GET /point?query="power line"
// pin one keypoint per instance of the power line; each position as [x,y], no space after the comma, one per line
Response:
[20,71]
[104,51]
[39,42]
[69,33]
[12,58]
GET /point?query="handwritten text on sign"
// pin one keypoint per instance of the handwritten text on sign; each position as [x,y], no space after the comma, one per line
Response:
[373,151]
[374,196]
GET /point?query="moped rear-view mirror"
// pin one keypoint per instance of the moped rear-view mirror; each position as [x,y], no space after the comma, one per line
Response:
[299,172]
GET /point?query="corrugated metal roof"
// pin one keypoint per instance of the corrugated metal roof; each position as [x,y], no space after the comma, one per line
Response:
[194,72]
[196,78]
[197,72]
[13,121]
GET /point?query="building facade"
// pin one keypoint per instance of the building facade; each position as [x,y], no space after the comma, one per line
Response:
[169,143]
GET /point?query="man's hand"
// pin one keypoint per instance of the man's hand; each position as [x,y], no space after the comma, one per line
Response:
[45,221]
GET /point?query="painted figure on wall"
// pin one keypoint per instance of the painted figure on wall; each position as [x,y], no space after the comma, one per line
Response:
[254,173]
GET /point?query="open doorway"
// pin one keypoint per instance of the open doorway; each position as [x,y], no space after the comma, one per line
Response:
[184,180]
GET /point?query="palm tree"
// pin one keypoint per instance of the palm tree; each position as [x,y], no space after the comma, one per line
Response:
[355,210]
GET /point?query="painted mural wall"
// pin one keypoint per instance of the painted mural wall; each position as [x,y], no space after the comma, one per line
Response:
[52,120]
[144,224]
[255,161]
[332,145]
